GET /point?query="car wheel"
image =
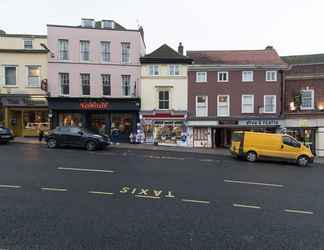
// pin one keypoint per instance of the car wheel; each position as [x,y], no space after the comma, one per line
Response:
[302,161]
[91,146]
[251,156]
[51,143]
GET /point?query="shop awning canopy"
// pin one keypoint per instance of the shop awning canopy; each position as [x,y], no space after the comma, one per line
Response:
[23,101]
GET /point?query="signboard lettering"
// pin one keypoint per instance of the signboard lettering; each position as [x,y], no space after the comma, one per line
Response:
[94,105]
[259,122]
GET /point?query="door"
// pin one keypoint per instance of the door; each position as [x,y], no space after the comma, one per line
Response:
[74,137]
[290,147]
[15,122]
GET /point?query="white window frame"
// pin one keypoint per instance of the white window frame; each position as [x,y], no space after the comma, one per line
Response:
[264,104]
[228,106]
[242,106]
[106,82]
[103,52]
[174,69]
[201,80]
[125,53]
[245,72]
[83,50]
[60,55]
[313,99]
[60,83]
[154,70]
[221,73]
[206,106]
[123,85]
[169,99]
[29,40]
[39,77]
[4,75]
[88,81]
[269,73]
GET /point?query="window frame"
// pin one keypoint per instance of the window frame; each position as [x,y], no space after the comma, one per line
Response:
[103,83]
[164,100]
[123,85]
[5,78]
[219,73]
[275,104]
[60,83]
[104,52]
[242,104]
[85,83]
[65,50]
[197,78]
[39,77]
[246,71]
[270,72]
[205,106]
[312,96]
[175,71]
[84,50]
[125,52]
[28,40]
[152,70]
[228,105]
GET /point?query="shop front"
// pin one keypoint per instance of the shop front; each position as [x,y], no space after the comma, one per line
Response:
[164,128]
[117,117]
[26,115]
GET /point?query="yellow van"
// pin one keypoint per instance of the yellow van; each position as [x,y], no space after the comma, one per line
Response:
[254,145]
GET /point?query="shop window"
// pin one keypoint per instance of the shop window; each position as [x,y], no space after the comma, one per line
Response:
[269,104]
[168,131]
[200,134]
[63,46]
[85,50]
[106,84]
[85,82]
[10,75]
[36,120]
[126,85]
[223,105]
[164,96]
[65,83]
[121,122]
[201,106]
[70,119]
[33,76]
[307,99]
[247,103]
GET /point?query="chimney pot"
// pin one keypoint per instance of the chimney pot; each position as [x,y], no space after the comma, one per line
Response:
[180,49]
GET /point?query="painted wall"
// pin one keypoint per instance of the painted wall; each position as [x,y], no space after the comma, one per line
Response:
[94,66]
[151,84]
[18,42]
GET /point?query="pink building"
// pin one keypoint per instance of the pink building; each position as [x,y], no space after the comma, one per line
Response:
[94,75]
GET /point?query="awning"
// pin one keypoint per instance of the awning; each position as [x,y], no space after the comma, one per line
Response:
[23,101]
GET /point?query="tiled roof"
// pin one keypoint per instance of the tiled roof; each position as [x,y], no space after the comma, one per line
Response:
[304,59]
[165,54]
[268,56]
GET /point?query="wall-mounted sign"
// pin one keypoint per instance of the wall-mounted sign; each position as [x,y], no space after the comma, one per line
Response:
[259,122]
[94,105]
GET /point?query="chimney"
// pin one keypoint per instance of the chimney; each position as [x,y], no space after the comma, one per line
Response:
[141,30]
[269,47]
[180,49]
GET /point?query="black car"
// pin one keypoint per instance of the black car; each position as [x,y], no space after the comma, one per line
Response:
[76,137]
[6,134]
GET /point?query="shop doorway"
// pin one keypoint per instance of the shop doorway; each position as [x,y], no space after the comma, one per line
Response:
[15,122]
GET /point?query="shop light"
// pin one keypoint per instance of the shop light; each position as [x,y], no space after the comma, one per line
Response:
[292,106]
[321,107]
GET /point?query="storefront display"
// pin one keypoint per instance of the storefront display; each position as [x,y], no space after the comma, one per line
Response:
[304,135]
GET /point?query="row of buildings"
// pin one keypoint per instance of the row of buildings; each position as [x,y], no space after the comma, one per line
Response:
[98,74]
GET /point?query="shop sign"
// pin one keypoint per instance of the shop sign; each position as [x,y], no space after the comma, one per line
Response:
[94,105]
[259,122]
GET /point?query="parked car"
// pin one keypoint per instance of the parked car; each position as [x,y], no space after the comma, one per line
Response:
[76,137]
[254,145]
[6,134]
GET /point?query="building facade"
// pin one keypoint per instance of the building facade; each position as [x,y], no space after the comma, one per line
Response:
[304,100]
[164,88]
[23,70]
[94,76]
[233,90]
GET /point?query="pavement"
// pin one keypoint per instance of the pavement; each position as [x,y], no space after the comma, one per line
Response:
[124,198]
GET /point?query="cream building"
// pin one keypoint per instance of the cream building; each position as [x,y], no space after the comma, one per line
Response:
[164,90]
[23,72]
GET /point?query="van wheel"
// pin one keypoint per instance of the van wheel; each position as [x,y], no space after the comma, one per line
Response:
[91,146]
[302,161]
[251,156]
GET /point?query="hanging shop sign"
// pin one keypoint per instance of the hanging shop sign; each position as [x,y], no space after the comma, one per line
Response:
[94,105]
[259,122]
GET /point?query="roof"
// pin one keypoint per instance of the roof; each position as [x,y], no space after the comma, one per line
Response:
[304,59]
[26,51]
[165,54]
[268,56]
[22,35]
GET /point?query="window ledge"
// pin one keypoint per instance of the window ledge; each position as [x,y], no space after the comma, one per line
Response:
[9,87]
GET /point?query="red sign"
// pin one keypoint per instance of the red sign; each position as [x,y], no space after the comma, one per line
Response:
[94,105]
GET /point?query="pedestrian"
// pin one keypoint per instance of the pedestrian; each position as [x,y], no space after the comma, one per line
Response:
[40,134]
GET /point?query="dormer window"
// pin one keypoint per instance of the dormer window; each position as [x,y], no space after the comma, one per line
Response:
[88,23]
[107,24]
[28,43]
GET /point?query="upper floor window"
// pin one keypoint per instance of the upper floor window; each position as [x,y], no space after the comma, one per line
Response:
[64,83]
[85,84]
[154,69]
[269,104]
[247,103]
[85,50]
[201,76]
[105,52]
[10,75]
[125,52]
[126,82]
[201,106]
[174,70]
[63,46]
[106,84]
[222,76]
[28,43]
[164,96]
[307,99]
[247,76]
[223,105]
[33,76]
[271,76]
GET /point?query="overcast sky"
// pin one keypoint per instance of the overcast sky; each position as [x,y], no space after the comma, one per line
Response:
[291,26]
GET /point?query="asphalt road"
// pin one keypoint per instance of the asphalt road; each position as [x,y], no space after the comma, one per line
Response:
[135,199]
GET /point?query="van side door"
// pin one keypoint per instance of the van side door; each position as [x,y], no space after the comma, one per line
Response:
[290,147]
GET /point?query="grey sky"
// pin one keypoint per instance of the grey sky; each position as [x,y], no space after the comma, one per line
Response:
[291,26]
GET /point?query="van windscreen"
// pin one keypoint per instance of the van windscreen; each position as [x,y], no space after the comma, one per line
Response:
[236,136]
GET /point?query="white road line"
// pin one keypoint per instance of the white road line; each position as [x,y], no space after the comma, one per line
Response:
[172,158]
[9,186]
[147,196]
[298,211]
[196,201]
[102,193]
[54,189]
[254,183]
[245,206]
[87,170]
[206,160]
